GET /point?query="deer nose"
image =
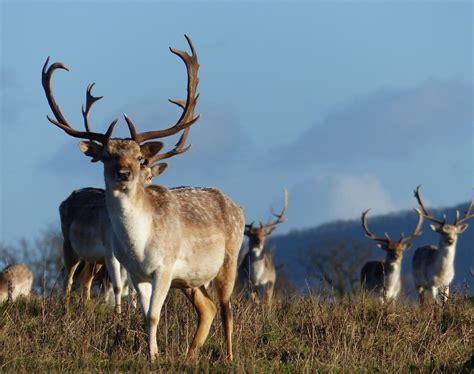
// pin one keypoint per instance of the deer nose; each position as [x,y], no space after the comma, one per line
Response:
[124,175]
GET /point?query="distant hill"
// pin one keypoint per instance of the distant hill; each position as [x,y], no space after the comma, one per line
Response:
[289,249]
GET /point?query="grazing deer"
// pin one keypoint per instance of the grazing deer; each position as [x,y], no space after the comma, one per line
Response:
[15,280]
[256,271]
[433,266]
[180,238]
[383,278]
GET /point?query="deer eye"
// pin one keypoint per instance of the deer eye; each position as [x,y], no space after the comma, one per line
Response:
[140,158]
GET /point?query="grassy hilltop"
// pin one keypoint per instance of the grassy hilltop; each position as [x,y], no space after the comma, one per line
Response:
[298,334]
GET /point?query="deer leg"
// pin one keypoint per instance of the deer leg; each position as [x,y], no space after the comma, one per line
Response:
[113,268]
[71,262]
[144,294]
[268,294]
[206,311]
[86,278]
[444,294]
[224,285]
[421,294]
[161,283]
[435,293]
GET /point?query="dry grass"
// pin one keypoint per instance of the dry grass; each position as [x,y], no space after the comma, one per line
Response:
[299,334]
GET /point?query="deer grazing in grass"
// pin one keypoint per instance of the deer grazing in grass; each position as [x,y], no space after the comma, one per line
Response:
[15,280]
[383,278]
[433,266]
[256,272]
[180,238]
[87,230]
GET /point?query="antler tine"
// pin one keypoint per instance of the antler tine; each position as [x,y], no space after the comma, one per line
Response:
[186,120]
[424,210]
[467,214]
[61,122]
[280,217]
[90,101]
[417,231]
[368,234]
[179,146]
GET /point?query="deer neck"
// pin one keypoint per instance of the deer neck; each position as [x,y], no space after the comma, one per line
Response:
[131,218]
[445,254]
[392,270]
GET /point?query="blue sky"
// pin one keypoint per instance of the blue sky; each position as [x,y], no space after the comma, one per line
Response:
[349,105]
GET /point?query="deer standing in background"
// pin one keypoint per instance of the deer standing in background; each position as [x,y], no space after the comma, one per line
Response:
[182,237]
[15,280]
[433,266]
[87,230]
[256,272]
[383,278]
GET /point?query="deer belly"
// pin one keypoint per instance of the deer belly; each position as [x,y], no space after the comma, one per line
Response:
[257,273]
[87,242]
[195,271]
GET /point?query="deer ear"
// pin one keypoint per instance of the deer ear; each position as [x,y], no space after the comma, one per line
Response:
[91,149]
[461,228]
[150,149]
[380,245]
[435,227]
[408,246]
[158,169]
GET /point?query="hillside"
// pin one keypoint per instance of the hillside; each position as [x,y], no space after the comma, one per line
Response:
[291,250]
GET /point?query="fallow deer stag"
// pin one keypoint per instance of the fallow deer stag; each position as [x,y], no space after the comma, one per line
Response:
[87,230]
[433,266]
[256,272]
[15,280]
[383,278]
[166,238]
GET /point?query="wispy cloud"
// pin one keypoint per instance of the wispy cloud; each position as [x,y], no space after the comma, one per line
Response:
[389,124]
[338,196]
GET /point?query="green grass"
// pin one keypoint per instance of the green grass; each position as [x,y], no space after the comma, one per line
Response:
[298,334]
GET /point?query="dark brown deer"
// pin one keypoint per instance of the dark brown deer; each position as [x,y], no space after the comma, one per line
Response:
[383,278]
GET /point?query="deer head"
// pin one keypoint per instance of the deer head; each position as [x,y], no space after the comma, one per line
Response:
[393,248]
[258,235]
[448,232]
[124,159]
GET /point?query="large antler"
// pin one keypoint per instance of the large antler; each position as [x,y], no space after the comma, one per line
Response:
[371,235]
[186,119]
[467,214]
[417,231]
[46,77]
[425,212]
[280,217]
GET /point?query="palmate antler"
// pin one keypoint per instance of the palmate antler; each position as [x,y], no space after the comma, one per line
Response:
[457,221]
[425,212]
[61,122]
[386,240]
[185,121]
[188,106]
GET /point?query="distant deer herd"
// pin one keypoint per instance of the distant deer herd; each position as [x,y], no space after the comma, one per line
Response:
[151,238]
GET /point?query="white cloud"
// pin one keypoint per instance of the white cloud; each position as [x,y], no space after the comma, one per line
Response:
[339,196]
